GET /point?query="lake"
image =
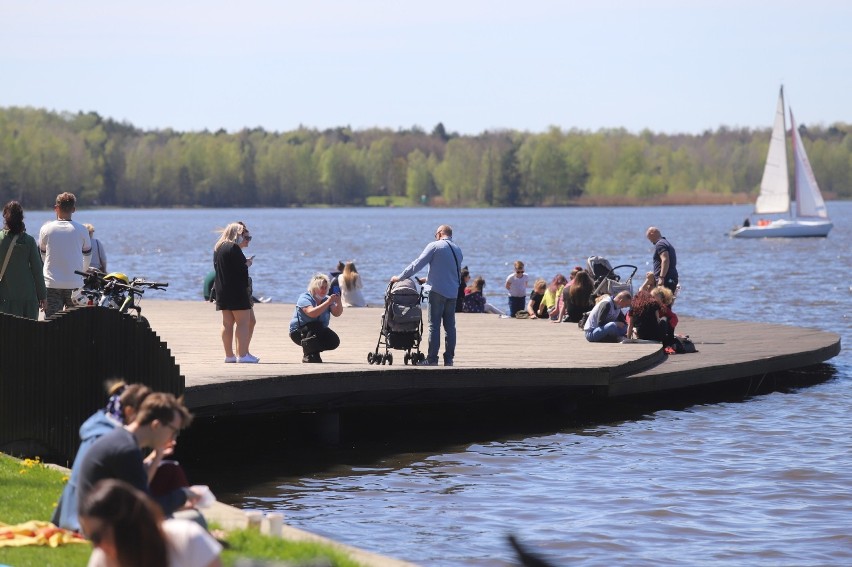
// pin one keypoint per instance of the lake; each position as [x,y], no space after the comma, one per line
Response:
[761,481]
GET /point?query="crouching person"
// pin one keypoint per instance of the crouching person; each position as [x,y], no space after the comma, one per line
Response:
[605,323]
[309,326]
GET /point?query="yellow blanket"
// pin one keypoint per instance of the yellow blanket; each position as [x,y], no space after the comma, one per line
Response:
[35,532]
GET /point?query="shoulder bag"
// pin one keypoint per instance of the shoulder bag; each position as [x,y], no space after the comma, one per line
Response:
[8,256]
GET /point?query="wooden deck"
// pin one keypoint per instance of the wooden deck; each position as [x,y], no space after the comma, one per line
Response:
[493,355]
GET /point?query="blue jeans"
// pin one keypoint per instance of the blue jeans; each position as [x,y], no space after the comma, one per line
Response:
[516,304]
[611,332]
[441,310]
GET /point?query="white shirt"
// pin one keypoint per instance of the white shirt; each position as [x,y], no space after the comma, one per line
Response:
[518,285]
[65,247]
[352,297]
[189,546]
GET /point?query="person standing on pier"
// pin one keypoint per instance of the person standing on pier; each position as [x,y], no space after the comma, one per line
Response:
[517,284]
[99,257]
[22,289]
[444,258]
[65,247]
[231,285]
[665,259]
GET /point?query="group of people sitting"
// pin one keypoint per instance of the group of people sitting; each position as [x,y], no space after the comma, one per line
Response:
[649,315]
[573,299]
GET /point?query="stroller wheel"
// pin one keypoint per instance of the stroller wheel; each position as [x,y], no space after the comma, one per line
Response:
[389,356]
[369,358]
[421,357]
[406,358]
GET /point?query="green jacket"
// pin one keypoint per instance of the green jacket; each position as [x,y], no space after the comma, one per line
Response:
[23,283]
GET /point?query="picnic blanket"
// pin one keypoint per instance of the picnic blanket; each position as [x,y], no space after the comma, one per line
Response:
[36,532]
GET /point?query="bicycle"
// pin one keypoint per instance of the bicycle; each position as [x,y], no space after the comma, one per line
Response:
[115,291]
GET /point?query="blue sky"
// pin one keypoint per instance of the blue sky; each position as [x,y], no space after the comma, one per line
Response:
[669,66]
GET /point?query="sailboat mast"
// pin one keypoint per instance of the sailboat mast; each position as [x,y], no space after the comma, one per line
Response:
[795,164]
[787,173]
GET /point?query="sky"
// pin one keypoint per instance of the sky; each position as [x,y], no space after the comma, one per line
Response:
[667,66]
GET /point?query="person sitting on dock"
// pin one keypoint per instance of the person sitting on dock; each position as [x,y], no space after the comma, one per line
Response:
[536,295]
[604,324]
[646,319]
[464,278]
[474,299]
[577,298]
[309,326]
[666,299]
[551,297]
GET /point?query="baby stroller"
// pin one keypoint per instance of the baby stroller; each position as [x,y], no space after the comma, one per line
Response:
[402,324]
[606,278]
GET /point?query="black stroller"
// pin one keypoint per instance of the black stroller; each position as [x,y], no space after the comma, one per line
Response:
[607,279]
[402,324]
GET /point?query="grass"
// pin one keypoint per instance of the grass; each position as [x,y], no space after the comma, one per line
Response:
[388,201]
[29,491]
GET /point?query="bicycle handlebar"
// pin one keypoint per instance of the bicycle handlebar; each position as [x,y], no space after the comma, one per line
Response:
[132,286]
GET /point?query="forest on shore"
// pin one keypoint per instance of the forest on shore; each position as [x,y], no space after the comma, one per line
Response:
[110,163]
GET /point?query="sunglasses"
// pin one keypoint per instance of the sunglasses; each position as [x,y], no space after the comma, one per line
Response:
[175,430]
[247,238]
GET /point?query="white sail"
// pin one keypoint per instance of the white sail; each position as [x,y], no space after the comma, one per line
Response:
[775,186]
[809,202]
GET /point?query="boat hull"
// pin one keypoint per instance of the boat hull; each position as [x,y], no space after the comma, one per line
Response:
[785,228]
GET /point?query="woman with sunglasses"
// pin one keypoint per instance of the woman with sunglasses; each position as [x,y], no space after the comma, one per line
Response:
[231,286]
[127,529]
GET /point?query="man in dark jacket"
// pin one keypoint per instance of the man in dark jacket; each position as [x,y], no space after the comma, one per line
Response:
[665,259]
[118,454]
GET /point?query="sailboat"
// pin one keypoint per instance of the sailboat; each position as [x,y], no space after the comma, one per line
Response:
[809,217]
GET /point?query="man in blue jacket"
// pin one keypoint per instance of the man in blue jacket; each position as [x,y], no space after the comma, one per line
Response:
[444,258]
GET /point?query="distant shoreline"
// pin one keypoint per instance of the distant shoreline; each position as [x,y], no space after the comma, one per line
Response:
[588,201]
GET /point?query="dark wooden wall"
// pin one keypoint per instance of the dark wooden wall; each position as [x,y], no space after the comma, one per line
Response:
[52,375]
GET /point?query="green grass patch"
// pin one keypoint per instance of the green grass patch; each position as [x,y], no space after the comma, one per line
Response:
[385,201]
[29,490]
[250,543]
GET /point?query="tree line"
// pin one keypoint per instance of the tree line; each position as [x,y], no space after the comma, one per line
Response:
[110,163]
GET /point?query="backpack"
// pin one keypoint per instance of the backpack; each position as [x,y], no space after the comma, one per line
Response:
[684,345]
[585,316]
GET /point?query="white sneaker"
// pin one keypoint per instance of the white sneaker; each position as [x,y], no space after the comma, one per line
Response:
[249,358]
[229,359]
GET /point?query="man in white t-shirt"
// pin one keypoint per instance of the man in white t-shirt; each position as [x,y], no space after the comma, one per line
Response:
[65,248]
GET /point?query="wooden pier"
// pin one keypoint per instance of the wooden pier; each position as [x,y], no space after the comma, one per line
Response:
[495,358]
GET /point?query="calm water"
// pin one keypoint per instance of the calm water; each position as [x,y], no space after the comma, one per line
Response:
[760,482]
